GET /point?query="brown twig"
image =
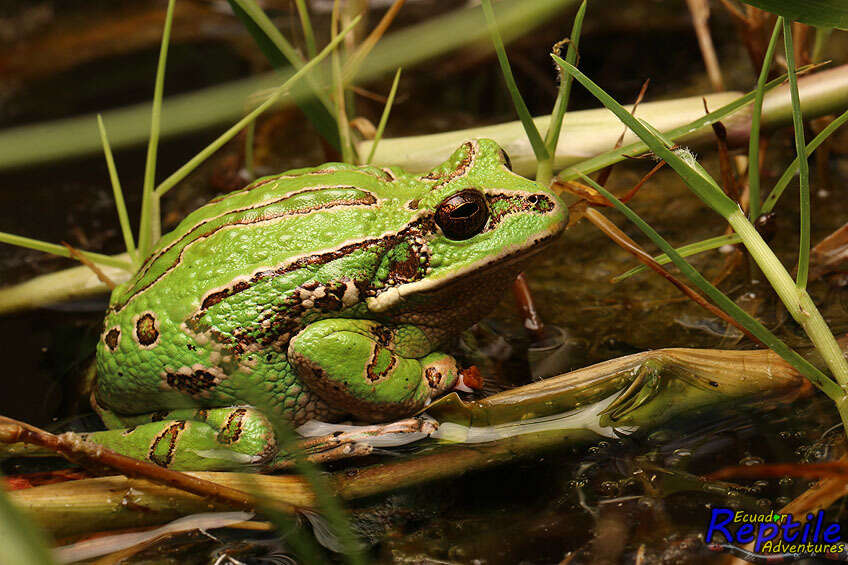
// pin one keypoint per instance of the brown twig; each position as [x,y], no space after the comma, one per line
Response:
[524,300]
[74,448]
[605,173]
[75,254]
[700,10]
[620,238]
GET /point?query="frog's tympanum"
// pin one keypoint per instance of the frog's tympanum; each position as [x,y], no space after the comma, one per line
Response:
[319,293]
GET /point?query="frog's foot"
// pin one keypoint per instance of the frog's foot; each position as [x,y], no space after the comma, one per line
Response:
[373,371]
[189,439]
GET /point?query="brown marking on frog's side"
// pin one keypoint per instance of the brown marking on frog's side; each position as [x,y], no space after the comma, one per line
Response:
[159,415]
[371,372]
[366,199]
[201,414]
[112,338]
[433,376]
[171,434]
[283,318]
[146,330]
[129,430]
[232,429]
[195,381]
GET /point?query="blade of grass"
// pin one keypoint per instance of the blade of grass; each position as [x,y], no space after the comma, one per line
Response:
[306,27]
[384,118]
[768,205]
[279,52]
[723,301]
[614,156]
[521,109]
[149,225]
[353,65]
[684,251]
[803,165]
[62,251]
[797,301]
[193,163]
[21,541]
[544,170]
[339,93]
[789,173]
[123,217]
[756,113]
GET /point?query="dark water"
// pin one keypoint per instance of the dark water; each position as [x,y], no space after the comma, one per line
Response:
[604,502]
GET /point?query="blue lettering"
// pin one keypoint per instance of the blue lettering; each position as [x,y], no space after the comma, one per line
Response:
[789,525]
[745,534]
[819,518]
[831,533]
[715,515]
[765,532]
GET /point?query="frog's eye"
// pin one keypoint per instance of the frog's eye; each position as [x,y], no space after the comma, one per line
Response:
[463,214]
[505,159]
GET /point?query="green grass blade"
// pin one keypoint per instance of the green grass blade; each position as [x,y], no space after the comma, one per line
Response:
[306,27]
[21,541]
[803,165]
[723,301]
[61,250]
[616,155]
[682,161]
[150,221]
[820,45]
[684,251]
[123,217]
[544,170]
[533,135]
[790,171]
[150,224]
[756,113]
[384,118]
[339,93]
[195,161]
[280,52]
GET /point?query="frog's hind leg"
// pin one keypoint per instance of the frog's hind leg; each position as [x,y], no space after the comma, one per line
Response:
[189,439]
[375,372]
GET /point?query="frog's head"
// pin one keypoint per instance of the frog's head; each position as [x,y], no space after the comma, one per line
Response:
[484,220]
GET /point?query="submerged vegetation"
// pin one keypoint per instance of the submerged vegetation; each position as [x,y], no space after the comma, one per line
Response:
[575,417]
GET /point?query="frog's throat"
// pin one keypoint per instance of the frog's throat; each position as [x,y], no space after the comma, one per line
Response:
[392,297]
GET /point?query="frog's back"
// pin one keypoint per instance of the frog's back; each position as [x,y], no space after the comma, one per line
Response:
[243,272]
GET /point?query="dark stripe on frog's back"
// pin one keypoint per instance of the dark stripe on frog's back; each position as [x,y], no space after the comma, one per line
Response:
[195,229]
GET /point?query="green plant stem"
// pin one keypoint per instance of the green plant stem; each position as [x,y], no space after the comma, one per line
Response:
[123,217]
[797,300]
[521,109]
[544,171]
[756,112]
[723,301]
[61,250]
[803,165]
[193,163]
[789,173]
[384,118]
[684,251]
[306,27]
[150,224]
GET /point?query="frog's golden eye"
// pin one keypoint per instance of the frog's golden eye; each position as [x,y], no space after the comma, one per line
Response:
[462,215]
[505,159]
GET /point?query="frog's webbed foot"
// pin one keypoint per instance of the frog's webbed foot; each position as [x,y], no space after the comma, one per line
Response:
[373,371]
[192,439]
[330,442]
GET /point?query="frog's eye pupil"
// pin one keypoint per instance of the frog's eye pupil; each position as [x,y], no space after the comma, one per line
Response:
[462,215]
[533,198]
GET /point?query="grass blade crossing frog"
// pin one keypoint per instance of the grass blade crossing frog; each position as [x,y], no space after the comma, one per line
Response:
[318,293]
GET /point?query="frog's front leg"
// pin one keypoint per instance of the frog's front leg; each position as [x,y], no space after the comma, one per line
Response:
[191,439]
[373,371]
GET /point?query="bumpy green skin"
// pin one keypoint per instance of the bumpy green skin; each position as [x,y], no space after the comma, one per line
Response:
[316,293]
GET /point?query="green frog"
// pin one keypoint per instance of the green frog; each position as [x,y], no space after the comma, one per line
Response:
[320,293]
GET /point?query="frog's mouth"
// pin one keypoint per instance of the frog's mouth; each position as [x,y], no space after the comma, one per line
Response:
[393,296]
